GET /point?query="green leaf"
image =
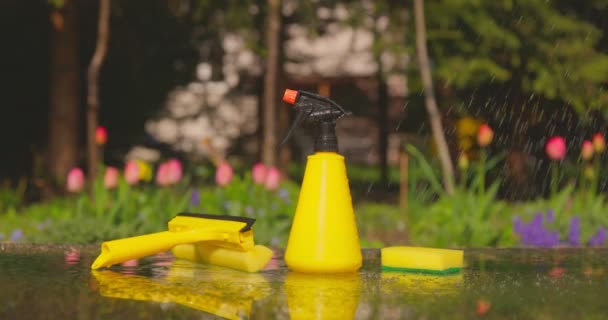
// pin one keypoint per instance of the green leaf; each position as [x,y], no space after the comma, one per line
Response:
[432,178]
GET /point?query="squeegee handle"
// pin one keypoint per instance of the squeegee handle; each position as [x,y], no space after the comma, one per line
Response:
[121,250]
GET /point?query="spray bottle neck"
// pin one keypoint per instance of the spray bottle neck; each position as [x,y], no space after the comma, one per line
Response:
[318,113]
[325,139]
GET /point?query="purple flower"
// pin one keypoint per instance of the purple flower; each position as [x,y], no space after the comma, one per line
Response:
[16,235]
[522,229]
[536,230]
[43,225]
[195,198]
[574,234]
[599,238]
[552,239]
[284,193]
[518,225]
[535,233]
[261,212]
[546,238]
[275,241]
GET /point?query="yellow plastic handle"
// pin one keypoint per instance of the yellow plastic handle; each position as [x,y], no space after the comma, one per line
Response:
[117,251]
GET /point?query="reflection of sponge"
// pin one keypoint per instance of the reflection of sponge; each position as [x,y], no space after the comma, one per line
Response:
[421,260]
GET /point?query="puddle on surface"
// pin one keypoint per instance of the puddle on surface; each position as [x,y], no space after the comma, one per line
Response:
[55,282]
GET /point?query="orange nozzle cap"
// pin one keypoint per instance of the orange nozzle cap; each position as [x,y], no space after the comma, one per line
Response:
[290,96]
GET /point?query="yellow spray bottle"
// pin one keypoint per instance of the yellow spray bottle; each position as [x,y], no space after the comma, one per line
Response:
[323,236]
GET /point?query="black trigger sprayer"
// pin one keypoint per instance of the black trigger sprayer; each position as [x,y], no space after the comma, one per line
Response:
[318,113]
[323,236]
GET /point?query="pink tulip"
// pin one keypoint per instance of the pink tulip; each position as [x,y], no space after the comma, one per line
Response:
[162,175]
[131,172]
[130,263]
[169,173]
[556,148]
[258,173]
[485,135]
[174,170]
[75,179]
[110,178]
[273,179]
[587,150]
[129,267]
[223,174]
[599,143]
[101,136]
[72,256]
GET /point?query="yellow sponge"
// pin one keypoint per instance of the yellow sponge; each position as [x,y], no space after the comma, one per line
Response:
[252,260]
[421,260]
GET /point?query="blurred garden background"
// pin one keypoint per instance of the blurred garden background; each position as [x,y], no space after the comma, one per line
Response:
[475,123]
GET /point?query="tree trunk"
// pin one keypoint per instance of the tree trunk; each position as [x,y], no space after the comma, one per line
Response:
[64,93]
[273,27]
[103,35]
[404,191]
[429,97]
[382,124]
[285,151]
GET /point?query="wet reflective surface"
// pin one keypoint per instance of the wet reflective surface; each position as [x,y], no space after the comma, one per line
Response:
[55,282]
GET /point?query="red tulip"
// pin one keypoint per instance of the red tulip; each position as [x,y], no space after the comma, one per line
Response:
[599,143]
[587,150]
[75,180]
[101,136]
[258,173]
[273,179]
[110,178]
[131,172]
[556,148]
[484,135]
[223,174]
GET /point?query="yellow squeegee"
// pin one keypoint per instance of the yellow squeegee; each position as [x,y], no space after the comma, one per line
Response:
[233,234]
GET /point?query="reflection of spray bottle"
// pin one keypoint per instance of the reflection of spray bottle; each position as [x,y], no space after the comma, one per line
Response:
[327,296]
[323,236]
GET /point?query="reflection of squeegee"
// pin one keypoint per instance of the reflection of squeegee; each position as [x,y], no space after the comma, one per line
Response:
[231,300]
[233,235]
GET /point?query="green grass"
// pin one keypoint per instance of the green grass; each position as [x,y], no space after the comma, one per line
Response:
[473,217]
